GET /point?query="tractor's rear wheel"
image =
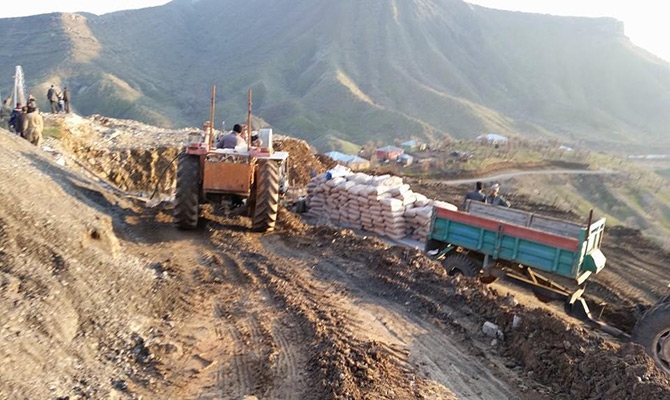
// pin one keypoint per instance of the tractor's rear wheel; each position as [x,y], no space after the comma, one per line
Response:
[266,197]
[653,332]
[186,197]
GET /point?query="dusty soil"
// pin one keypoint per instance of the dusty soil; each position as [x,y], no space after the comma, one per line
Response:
[102,298]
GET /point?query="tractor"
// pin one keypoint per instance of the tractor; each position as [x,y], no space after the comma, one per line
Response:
[208,174]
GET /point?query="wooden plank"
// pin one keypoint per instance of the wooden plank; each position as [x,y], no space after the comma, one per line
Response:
[513,216]
[556,226]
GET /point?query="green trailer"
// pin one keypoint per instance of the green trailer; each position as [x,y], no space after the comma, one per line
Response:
[491,242]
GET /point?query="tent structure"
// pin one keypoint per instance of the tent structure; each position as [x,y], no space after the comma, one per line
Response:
[492,138]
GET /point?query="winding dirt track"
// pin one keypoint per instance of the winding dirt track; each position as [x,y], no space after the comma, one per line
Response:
[268,316]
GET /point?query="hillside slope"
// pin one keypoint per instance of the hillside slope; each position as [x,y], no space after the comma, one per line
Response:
[356,70]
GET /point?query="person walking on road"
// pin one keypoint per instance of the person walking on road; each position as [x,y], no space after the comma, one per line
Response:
[34,126]
[53,99]
[475,195]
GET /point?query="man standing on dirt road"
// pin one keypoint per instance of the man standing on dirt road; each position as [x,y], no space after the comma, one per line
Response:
[475,195]
[495,198]
[34,126]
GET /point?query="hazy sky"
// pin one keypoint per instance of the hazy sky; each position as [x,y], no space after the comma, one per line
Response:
[645,20]
[18,9]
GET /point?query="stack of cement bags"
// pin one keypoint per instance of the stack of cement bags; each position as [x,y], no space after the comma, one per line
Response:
[380,204]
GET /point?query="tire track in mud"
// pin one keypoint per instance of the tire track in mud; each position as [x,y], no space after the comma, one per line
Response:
[416,345]
[338,363]
[263,361]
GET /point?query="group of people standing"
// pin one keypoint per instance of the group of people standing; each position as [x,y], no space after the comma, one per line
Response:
[493,198]
[24,121]
[59,101]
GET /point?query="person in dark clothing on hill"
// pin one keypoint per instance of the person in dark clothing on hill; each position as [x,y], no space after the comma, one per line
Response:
[66,100]
[475,195]
[53,99]
[14,119]
[21,125]
[5,114]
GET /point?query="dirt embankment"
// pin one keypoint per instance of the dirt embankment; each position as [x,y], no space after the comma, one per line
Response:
[138,158]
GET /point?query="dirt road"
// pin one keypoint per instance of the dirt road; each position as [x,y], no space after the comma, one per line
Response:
[515,174]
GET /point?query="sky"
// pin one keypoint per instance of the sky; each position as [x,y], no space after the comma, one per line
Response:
[645,21]
[96,7]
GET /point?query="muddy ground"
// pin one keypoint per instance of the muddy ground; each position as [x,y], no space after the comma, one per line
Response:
[102,298]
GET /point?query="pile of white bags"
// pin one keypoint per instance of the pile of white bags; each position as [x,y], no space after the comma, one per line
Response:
[379,204]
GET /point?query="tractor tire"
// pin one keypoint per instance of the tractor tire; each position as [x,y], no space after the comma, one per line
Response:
[653,332]
[460,264]
[266,197]
[186,199]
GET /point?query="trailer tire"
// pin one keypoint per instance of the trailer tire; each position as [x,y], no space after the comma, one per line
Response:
[266,197]
[653,332]
[187,194]
[460,264]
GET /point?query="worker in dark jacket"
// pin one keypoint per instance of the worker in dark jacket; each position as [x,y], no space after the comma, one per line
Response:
[475,195]
[66,100]
[53,99]
[232,139]
[14,119]
[494,197]
[5,114]
[21,125]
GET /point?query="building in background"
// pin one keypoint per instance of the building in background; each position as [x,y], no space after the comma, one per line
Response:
[413,146]
[390,153]
[354,163]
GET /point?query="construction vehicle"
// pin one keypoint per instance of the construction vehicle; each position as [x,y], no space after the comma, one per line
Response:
[205,173]
[491,242]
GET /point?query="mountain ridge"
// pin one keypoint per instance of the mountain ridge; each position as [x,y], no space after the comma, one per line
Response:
[356,71]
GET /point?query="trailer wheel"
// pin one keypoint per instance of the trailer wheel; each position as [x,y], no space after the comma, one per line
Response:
[266,197]
[460,264]
[187,194]
[653,332]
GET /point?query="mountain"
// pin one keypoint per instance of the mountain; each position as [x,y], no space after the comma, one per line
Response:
[336,72]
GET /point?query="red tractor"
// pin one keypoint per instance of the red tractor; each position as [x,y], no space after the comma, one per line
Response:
[208,174]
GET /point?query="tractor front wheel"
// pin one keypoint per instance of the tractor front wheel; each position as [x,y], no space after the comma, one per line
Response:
[266,197]
[187,194]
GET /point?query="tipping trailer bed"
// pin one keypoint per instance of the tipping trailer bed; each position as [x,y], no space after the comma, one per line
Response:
[493,242]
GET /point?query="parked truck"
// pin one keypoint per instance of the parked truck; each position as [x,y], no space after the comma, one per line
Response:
[490,242]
